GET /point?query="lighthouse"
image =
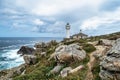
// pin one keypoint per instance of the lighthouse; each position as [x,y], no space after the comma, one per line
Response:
[67,30]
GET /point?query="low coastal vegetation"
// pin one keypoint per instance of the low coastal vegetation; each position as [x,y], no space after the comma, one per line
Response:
[112,36]
[89,48]
[40,71]
[51,60]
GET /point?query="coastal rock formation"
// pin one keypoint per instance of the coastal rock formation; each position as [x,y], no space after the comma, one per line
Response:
[8,74]
[28,55]
[106,42]
[76,69]
[56,69]
[68,53]
[30,59]
[69,70]
[26,50]
[110,66]
[43,54]
[95,58]
[40,49]
[44,45]
[40,45]
[65,71]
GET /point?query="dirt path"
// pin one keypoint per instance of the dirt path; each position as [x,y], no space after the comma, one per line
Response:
[100,50]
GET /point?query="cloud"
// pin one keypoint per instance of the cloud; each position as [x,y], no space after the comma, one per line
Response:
[104,19]
[57,27]
[38,22]
[53,7]
[50,16]
[8,10]
[110,5]
[19,26]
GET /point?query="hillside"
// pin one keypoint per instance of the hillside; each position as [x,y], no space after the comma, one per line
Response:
[65,60]
[112,36]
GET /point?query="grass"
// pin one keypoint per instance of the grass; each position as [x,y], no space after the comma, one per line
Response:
[96,70]
[81,41]
[112,36]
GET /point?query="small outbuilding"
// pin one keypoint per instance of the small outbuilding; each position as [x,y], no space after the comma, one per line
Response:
[79,35]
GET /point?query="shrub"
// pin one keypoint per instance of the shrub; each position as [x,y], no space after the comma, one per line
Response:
[89,48]
[69,42]
[82,40]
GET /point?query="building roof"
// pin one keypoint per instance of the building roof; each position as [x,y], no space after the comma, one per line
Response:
[80,34]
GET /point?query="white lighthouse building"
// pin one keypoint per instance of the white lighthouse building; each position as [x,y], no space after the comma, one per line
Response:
[67,30]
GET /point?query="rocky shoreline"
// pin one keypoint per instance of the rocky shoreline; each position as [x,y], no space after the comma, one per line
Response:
[71,59]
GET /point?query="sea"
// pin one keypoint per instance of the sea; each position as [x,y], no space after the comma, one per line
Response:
[10,45]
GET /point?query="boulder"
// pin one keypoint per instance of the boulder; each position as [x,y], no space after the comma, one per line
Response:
[76,69]
[68,70]
[110,65]
[40,52]
[68,53]
[56,69]
[65,71]
[10,73]
[40,47]
[105,42]
[26,50]
[43,54]
[30,59]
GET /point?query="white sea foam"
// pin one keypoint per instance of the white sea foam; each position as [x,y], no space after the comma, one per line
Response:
[13,59]
[11,54]
[12,46]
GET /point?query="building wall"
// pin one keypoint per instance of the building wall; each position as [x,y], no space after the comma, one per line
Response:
[67,33]
[79,37]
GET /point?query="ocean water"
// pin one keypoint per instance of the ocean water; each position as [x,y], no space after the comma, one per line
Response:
[10,45]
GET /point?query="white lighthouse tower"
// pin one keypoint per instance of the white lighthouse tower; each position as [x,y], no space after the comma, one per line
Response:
[67,30]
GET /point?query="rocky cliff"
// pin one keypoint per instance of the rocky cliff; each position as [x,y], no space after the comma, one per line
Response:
[110,65]
[84,59]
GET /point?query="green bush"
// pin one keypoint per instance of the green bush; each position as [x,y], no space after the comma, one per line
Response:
[69,42]
[75,41]
[89,48]
[82,40]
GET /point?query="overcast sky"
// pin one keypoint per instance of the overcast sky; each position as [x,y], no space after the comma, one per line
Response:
[47,18]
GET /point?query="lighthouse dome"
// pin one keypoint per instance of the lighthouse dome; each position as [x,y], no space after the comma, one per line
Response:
[67,26]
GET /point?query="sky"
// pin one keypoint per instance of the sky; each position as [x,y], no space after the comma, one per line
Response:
[47,18]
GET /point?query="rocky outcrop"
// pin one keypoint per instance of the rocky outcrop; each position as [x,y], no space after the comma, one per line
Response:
[68,70]
[9,74]
[30,59]
[105,42]
[26,50]
[28,55]
[40,45]
[65,71]
[76,69]
[40,48]
[110,65]
[56,69]
[68,53]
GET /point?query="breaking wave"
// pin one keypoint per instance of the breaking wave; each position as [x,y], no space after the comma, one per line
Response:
[10,59]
